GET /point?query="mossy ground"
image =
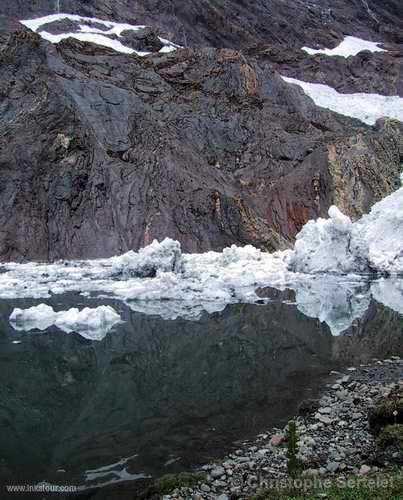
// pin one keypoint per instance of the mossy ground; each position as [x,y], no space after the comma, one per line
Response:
[166,484]
[391,435]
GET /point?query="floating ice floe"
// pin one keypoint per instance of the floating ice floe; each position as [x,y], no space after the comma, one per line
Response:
[92,324]
[350,46]
[90,33]
[365,107]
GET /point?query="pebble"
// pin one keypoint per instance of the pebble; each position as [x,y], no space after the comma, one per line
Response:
[217,471]
[333,441]
[333,466]
[277,440]
[364,470]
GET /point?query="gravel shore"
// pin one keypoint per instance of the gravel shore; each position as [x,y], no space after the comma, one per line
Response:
[334,439]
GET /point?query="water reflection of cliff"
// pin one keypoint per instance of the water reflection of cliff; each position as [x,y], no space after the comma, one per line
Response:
[161,389]
[165,390]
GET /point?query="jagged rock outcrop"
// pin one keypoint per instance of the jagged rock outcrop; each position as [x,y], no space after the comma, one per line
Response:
[101,152]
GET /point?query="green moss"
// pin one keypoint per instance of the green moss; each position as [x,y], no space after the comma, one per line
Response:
[294,465]
[365,488]
[391,435]
[166,484]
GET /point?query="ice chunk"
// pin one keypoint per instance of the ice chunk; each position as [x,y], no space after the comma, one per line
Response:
[323,246]
[365,107]
[336,245]
[148,261]
[350,46]
[91,323]
[38,317]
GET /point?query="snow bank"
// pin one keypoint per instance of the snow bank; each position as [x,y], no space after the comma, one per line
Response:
[89,33]
[350,46]
[93,324]
[365,107]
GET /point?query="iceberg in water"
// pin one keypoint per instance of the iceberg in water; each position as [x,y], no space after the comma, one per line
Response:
[374,244]
[148,261]
[90,323]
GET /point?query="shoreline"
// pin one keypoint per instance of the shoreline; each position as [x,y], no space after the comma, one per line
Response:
[334,440]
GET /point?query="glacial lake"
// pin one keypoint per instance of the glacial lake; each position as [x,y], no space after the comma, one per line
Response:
[157,395]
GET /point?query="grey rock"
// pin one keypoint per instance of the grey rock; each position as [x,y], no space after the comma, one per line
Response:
[217,471]
[333,466]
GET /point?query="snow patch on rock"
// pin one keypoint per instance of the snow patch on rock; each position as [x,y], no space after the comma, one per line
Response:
[90,323]
[365,107]
[89,33]
[350,46]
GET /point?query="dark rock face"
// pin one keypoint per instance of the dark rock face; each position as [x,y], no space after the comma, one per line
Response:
[379,72]
[101,152]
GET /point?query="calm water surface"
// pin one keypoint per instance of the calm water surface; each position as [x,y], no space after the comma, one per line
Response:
[158,396]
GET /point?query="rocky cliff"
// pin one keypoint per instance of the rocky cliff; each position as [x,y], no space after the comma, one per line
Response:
[101,151]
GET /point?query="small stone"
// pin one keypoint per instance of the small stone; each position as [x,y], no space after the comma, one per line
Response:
[217,471]
[323,418]
[364,470]
[332,467]
[277,440]
[205,487]
[311,472]
[222,497]
[218,484]
[308,406]
[327,410]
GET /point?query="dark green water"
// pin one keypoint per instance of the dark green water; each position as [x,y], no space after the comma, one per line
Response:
[163,395]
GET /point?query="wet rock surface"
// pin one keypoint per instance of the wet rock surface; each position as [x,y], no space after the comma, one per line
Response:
[334,441]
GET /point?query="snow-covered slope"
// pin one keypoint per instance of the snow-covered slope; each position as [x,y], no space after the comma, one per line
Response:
[88,32]
[366,107]
[350,46]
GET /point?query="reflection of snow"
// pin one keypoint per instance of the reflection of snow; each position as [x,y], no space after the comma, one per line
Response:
[333,301]
[389,293]
[113,473]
